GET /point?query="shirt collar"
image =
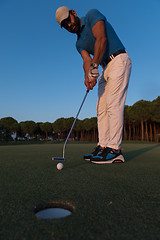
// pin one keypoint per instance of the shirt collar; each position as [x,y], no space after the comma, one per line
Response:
[83,22]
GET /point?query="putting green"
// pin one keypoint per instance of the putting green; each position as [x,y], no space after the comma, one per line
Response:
[111,201]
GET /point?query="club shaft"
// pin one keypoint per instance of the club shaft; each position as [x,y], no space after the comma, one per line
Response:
[74,123]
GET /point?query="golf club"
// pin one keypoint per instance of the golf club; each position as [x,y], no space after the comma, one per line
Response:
[63,158]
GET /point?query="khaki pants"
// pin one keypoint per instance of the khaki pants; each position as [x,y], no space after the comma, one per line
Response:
[112,90]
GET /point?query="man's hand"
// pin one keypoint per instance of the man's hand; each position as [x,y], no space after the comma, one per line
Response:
[90,69]
[93,74]
[90,83]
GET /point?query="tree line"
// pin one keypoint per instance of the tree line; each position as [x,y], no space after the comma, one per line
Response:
[141,122]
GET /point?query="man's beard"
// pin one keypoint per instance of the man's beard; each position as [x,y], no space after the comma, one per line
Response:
[75,28]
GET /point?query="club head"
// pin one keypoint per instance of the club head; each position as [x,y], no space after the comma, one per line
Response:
[58,159]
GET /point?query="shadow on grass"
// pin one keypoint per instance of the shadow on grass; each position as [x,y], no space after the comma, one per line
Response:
[128,155]
[135,153]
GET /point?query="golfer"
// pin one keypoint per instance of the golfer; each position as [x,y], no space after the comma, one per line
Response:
[98,44]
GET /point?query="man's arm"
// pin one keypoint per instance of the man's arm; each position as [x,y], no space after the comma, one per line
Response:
[99,50]
[99,33]
[86,66]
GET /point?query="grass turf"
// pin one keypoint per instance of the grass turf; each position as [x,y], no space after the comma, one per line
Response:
[114,201]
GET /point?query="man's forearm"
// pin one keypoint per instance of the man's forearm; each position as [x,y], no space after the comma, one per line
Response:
[99,50]
[87,60]
[86,66]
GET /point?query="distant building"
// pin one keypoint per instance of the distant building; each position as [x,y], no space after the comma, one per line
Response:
[14,135]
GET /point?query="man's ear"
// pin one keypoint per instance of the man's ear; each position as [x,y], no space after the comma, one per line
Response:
[74,13]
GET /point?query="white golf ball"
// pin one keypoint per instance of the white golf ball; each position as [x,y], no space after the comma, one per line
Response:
[60,166]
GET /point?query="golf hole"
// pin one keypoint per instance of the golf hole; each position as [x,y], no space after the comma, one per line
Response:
[53,210]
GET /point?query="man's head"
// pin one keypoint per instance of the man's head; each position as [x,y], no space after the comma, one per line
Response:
[68,19]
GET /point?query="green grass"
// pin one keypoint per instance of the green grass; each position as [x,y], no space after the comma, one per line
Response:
[115,201]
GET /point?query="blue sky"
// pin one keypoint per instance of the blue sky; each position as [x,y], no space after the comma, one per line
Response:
[41,74]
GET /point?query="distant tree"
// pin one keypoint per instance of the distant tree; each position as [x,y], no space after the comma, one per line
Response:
[38,130]
[126,123]
[90,126]
[82,129]
[142,112]
[3,134]
[46,128]
[93,128]
[10,124]
[155,117]
[132,119]
[78,128]
[85,129]
[28,127]
[68,122]
[59,127]
[62,127]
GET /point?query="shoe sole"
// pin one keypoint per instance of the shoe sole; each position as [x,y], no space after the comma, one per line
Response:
[118,159]
[87,159]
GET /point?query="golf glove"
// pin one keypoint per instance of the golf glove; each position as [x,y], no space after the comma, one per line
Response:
[93,73]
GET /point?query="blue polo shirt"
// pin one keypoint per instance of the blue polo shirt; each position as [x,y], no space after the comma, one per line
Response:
[86,40]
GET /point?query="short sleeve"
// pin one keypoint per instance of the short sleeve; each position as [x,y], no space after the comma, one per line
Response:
[93,16]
